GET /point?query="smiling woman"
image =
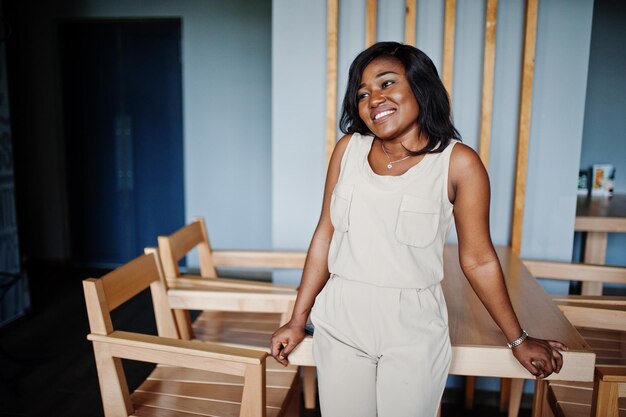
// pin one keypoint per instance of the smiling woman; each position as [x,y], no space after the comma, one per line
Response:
[371,281]
[417,75]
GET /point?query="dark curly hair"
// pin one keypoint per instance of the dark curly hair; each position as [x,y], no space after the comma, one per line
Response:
[434,119]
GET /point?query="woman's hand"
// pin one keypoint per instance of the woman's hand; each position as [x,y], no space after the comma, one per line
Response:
[285,339]
[540,357]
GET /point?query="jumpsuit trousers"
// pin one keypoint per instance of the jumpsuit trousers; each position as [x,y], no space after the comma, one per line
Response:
[380,351]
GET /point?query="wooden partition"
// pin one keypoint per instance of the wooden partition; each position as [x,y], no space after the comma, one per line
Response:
[486,114]
[486,110]
[448,45]
[409,22]
[523,132]
[370,23]
[332,24]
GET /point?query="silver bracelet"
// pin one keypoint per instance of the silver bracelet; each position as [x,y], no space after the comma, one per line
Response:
[518,341]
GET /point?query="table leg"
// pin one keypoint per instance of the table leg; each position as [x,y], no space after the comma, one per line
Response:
[595,253]
[470,382]
[310,387]
[515,400]
[505,393]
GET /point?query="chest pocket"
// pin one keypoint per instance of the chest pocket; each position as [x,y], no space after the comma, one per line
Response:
[340,206]
[418,221]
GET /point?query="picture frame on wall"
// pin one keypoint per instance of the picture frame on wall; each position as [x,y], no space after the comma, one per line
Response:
[602,180]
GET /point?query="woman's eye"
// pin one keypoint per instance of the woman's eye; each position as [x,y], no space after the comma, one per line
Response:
[387,84]
[361,96]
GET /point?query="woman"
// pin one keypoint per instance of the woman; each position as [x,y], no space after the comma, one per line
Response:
[394,182]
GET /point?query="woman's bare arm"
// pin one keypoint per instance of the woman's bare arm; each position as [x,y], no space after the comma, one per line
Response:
[470,193]
[315,273]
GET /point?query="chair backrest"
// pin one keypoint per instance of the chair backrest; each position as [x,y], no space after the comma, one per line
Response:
[178,244]
[577,271]
[105,294]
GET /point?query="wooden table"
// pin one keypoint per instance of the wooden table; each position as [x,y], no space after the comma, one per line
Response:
[599,216]
[478,346]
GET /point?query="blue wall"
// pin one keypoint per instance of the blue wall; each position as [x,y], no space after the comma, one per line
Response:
[604,134]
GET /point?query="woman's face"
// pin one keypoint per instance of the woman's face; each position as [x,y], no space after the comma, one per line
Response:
[386,102]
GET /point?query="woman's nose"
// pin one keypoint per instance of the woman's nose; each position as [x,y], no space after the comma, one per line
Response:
[376,99]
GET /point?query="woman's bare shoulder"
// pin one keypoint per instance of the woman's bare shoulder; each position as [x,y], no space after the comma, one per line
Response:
[340,147]
[464,159]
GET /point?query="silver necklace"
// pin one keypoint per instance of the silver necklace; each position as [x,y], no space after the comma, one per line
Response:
[390,164]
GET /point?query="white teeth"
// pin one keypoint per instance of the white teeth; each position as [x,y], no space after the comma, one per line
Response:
[383,114]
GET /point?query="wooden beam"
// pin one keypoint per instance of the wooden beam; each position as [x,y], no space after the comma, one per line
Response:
[332,18]
[486,112]
[523,133]
[370,23]
[409,22]
[448,45]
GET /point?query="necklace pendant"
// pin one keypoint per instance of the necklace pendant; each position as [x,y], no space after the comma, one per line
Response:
[389,166]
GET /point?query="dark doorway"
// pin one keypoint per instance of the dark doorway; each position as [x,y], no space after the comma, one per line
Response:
[122,106]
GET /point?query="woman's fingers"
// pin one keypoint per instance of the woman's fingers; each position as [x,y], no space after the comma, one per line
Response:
[558,358]
[534,370]
[277,352]
[557,345]
[283,341]
[541,357]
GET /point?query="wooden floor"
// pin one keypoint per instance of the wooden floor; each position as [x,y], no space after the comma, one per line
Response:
[47,366]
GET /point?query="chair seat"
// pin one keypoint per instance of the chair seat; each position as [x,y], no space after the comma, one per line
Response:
[236,328]
[173,391]
[574,399]
[609,345]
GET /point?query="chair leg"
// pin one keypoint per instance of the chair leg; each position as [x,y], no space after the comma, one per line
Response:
[515,399]
[310,387]
[470,383]
[183,322]
[605,399]
[113,385]
[505,394]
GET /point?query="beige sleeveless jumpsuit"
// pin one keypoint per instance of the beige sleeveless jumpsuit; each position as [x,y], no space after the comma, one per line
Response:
[381,342]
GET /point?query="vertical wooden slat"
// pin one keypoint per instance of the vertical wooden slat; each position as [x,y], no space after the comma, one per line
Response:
[370,23]
[409,22]
[332,14]
[448,45]
[523,134]
[486,112]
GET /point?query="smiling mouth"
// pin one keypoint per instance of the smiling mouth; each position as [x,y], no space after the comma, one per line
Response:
[383,114]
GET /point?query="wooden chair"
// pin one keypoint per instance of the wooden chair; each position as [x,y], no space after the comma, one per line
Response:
[233,311]
[191,378]
[601,320]
[219,319]
[603,325]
